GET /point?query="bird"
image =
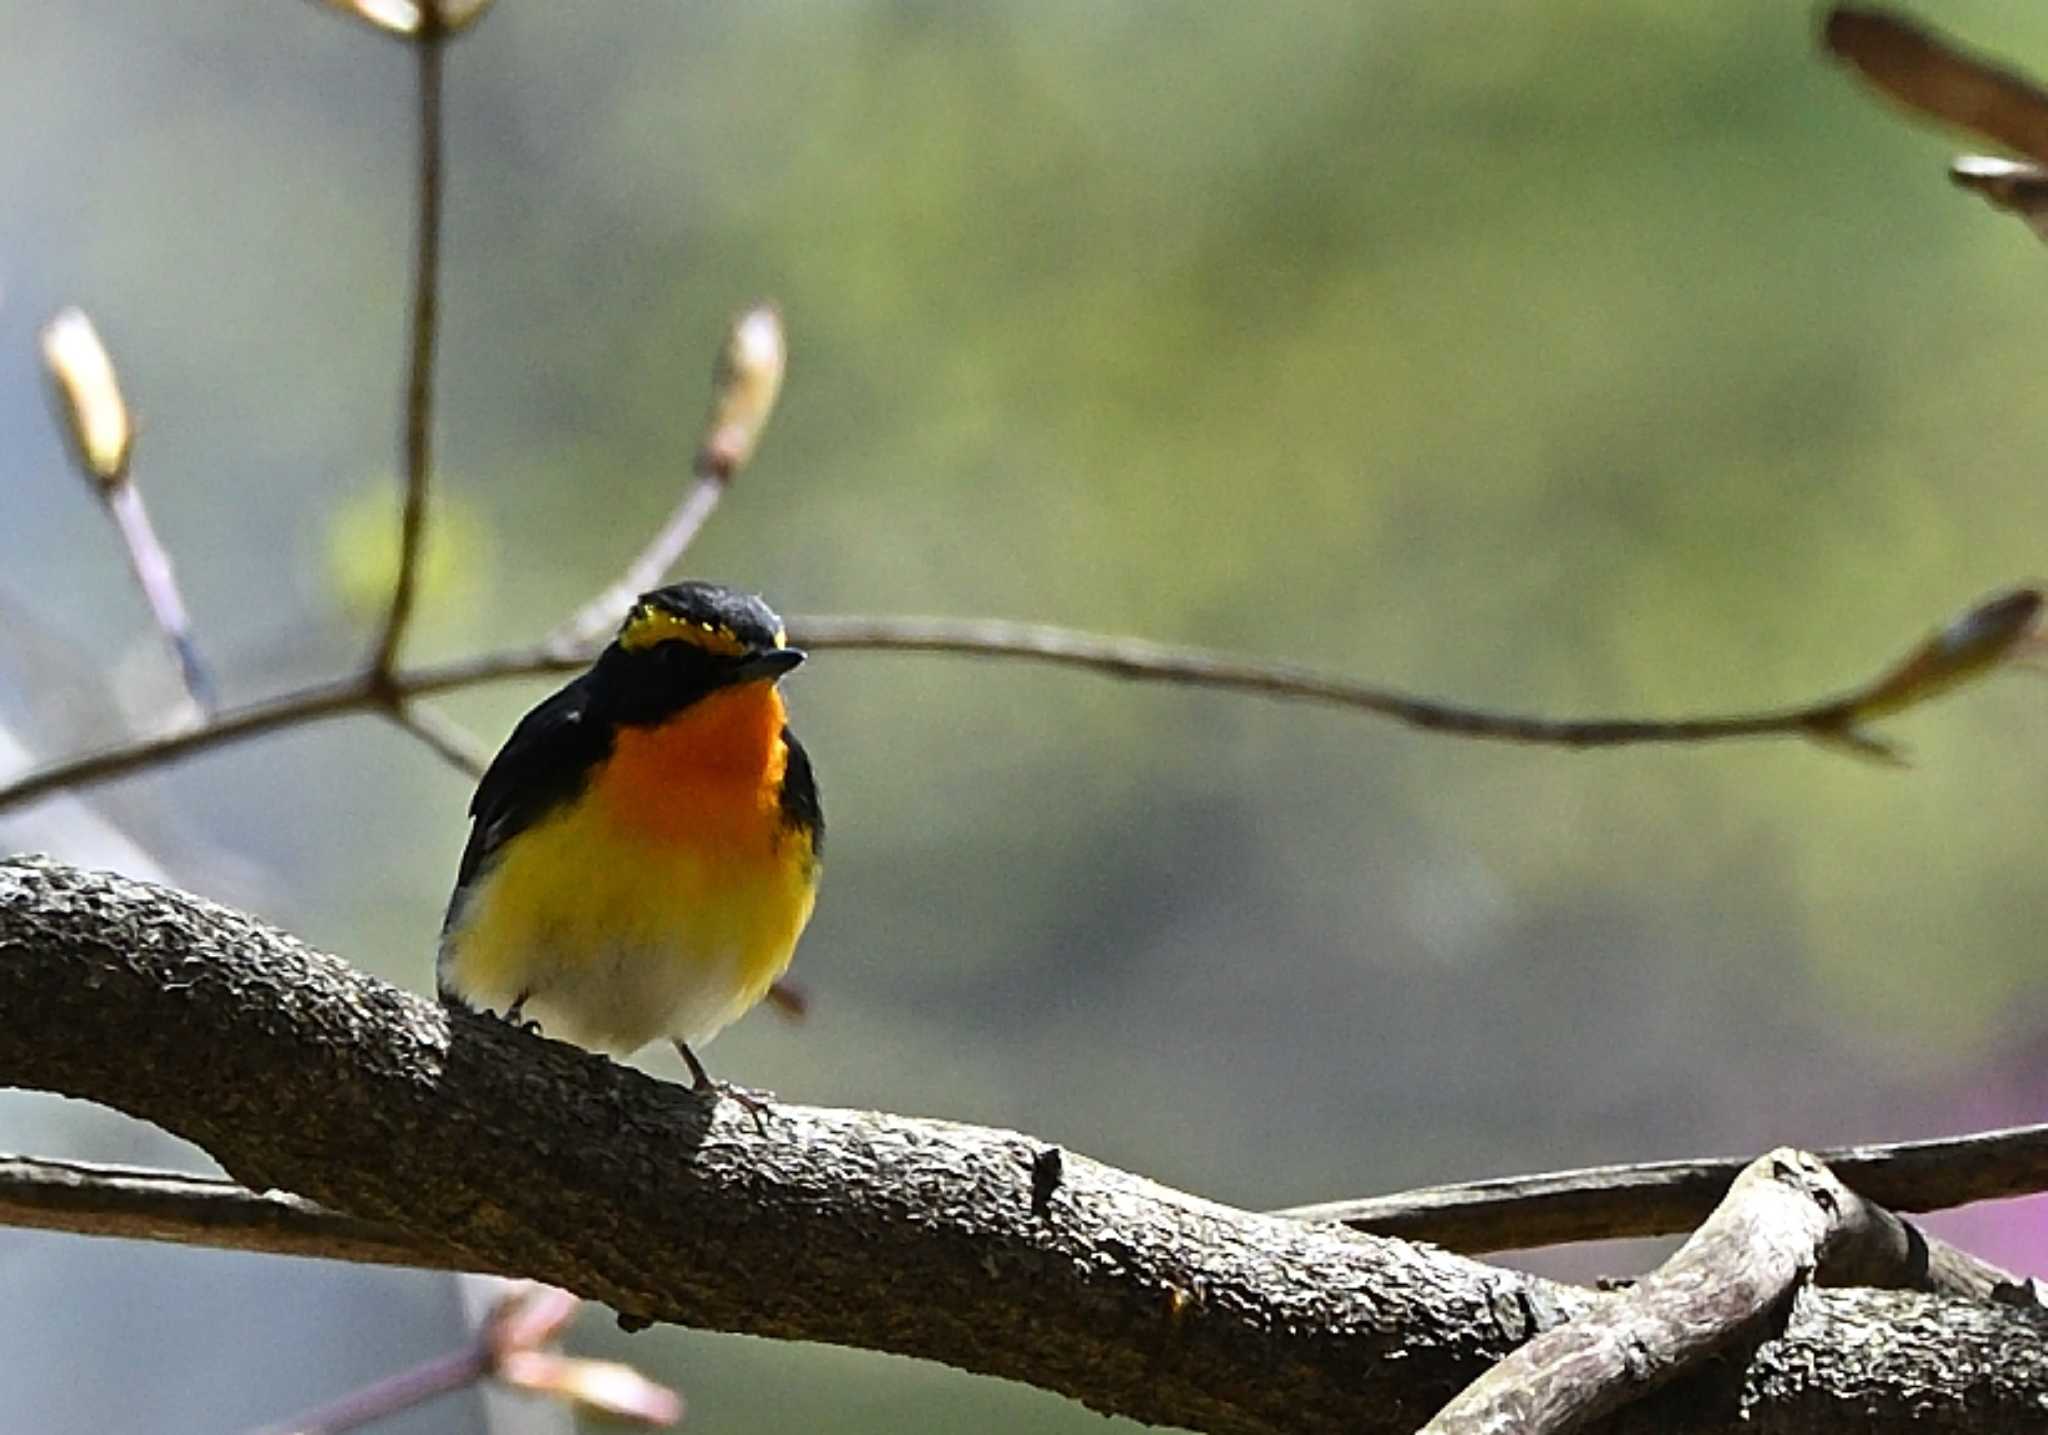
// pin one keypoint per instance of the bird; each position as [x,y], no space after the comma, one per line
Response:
[644,851]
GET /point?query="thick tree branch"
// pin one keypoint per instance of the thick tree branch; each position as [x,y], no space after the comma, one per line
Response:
[1787,1220]
[91,1199]
[918,1237]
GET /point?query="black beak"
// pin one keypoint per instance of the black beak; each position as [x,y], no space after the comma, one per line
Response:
[767,666]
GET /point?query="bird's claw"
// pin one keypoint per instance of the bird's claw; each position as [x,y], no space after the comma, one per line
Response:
[756,1104]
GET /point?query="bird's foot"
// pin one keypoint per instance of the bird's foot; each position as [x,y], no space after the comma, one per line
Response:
[756,1103]
[516,1017]
[512,1018]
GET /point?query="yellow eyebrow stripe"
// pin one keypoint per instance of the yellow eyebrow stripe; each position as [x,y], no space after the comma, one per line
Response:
[647,625]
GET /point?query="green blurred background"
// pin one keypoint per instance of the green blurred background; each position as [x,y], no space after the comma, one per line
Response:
[1584,358]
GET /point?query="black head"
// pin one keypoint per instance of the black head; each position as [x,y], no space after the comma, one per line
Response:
[686,640]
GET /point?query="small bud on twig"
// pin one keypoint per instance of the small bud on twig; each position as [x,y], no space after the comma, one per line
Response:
[1971,646]
[601,1387]
[1927,73]
[527,1317]
[744,385]
[102,441]
[410,20]
[517,1336]
[95,417]
[2001,630]
[2008,184]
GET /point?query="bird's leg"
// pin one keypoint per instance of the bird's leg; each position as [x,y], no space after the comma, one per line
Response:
[756,1102]
[516,1014]
[700,1079]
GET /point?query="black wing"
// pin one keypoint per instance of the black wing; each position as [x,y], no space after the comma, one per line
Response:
[799,795]
[543,764]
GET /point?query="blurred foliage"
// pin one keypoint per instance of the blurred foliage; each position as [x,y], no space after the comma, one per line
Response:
[361,557]
[1587,358]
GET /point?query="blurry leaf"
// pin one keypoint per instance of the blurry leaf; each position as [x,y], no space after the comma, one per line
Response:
[361,543]
[2011,185]
[1923,72]
[89,396]
[1965,650]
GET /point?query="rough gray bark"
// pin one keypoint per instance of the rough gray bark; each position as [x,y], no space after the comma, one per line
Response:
[918,1237]
[1786,1221]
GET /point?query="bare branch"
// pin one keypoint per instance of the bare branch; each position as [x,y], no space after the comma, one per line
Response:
[744,385]
[1931,75]
[1931,668]
[430,43]
[1786,1220]
[1965,649]
[448,739]
[1781,1218]
[1660,1198]
[596,619]
[102,444]
[302,705]
[89,1199]
[858,1228]
[514,1345]
[151,563]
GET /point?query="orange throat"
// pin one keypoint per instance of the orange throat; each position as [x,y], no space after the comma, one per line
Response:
[711,774]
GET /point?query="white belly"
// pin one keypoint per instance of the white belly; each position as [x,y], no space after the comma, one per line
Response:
[621,999]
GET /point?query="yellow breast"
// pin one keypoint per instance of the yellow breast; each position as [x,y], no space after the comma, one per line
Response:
[661,902]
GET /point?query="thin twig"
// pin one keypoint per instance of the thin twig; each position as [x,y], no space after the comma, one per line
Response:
[601,614]
[449,739]
[1157,662]
[151,564]
[102,442]
[514,1346]
[430,43]
[319,701]
[1930,74]
[745,383]
[1660,1198]
[1829,720]
[393,1393]
[90,1199]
